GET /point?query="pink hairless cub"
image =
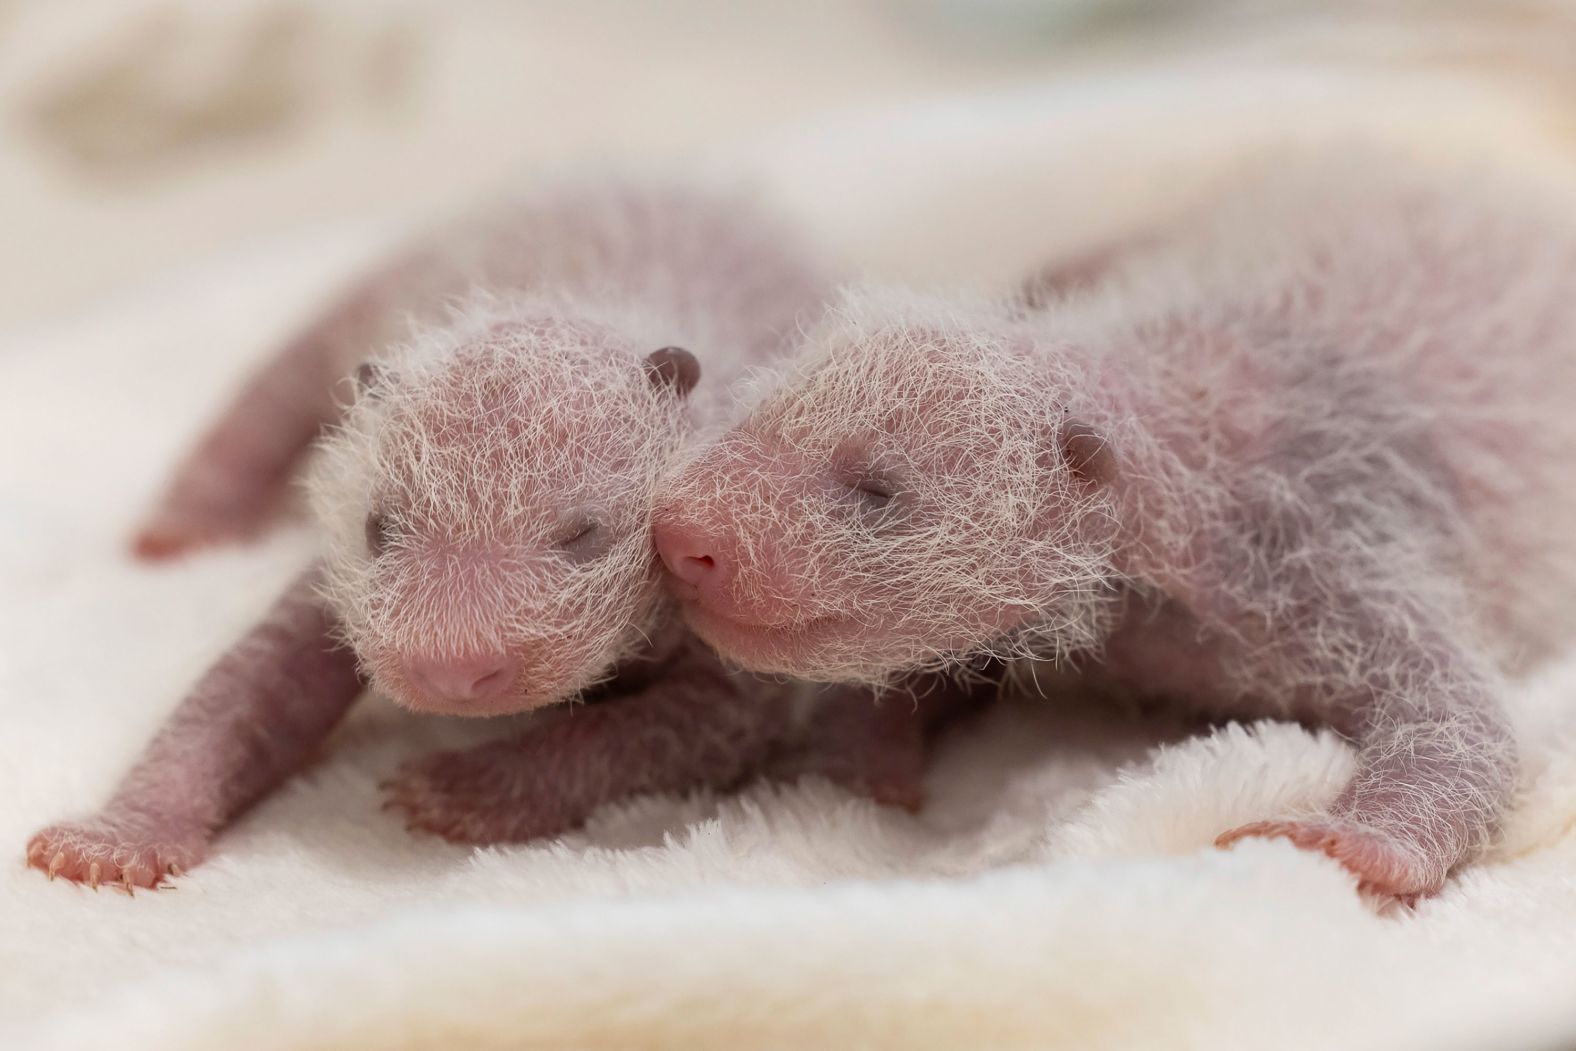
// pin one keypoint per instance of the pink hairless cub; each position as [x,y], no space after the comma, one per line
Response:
[1306,455]
[487,495]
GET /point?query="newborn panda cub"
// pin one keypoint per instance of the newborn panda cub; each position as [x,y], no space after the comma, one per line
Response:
[1303,454]
[487,498]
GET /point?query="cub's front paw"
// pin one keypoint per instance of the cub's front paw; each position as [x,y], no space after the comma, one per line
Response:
[120,851]
[1383,864]
[484,795]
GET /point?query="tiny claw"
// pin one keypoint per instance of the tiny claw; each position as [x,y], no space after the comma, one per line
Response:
[57,863]
[94,872]
[35,851]
[175,870]
[125,884]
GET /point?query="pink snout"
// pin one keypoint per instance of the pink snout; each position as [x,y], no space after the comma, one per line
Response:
[693,558]
[476,677]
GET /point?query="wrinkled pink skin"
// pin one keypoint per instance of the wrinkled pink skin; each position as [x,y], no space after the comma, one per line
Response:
[1426,764]
[693,724]
[1407,818]
[463,616]
[1434,769]
[672,718]
[1383,864]
[670,723]
[254,719]
[440,586]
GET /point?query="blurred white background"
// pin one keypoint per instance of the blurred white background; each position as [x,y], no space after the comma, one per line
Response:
[137,135]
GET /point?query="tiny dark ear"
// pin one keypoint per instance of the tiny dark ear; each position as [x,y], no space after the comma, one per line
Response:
[372,378]
[673,367]
[1087,452]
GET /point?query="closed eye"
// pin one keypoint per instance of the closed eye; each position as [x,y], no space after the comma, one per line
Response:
[875,496]
[379,533]
[874,492]
[585,540]
[871,484]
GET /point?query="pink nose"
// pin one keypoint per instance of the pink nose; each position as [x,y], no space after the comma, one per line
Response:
[689,556]
[477,677]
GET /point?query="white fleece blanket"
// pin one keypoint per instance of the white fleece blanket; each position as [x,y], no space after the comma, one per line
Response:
[1059,890]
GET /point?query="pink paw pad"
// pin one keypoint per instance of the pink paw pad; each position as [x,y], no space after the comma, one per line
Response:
[1383,864]
[121,854]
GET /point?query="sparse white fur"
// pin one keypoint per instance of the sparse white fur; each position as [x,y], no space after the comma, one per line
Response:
[1411,331]
[520,408]
[914,385]
[1338,404]
[488,499]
